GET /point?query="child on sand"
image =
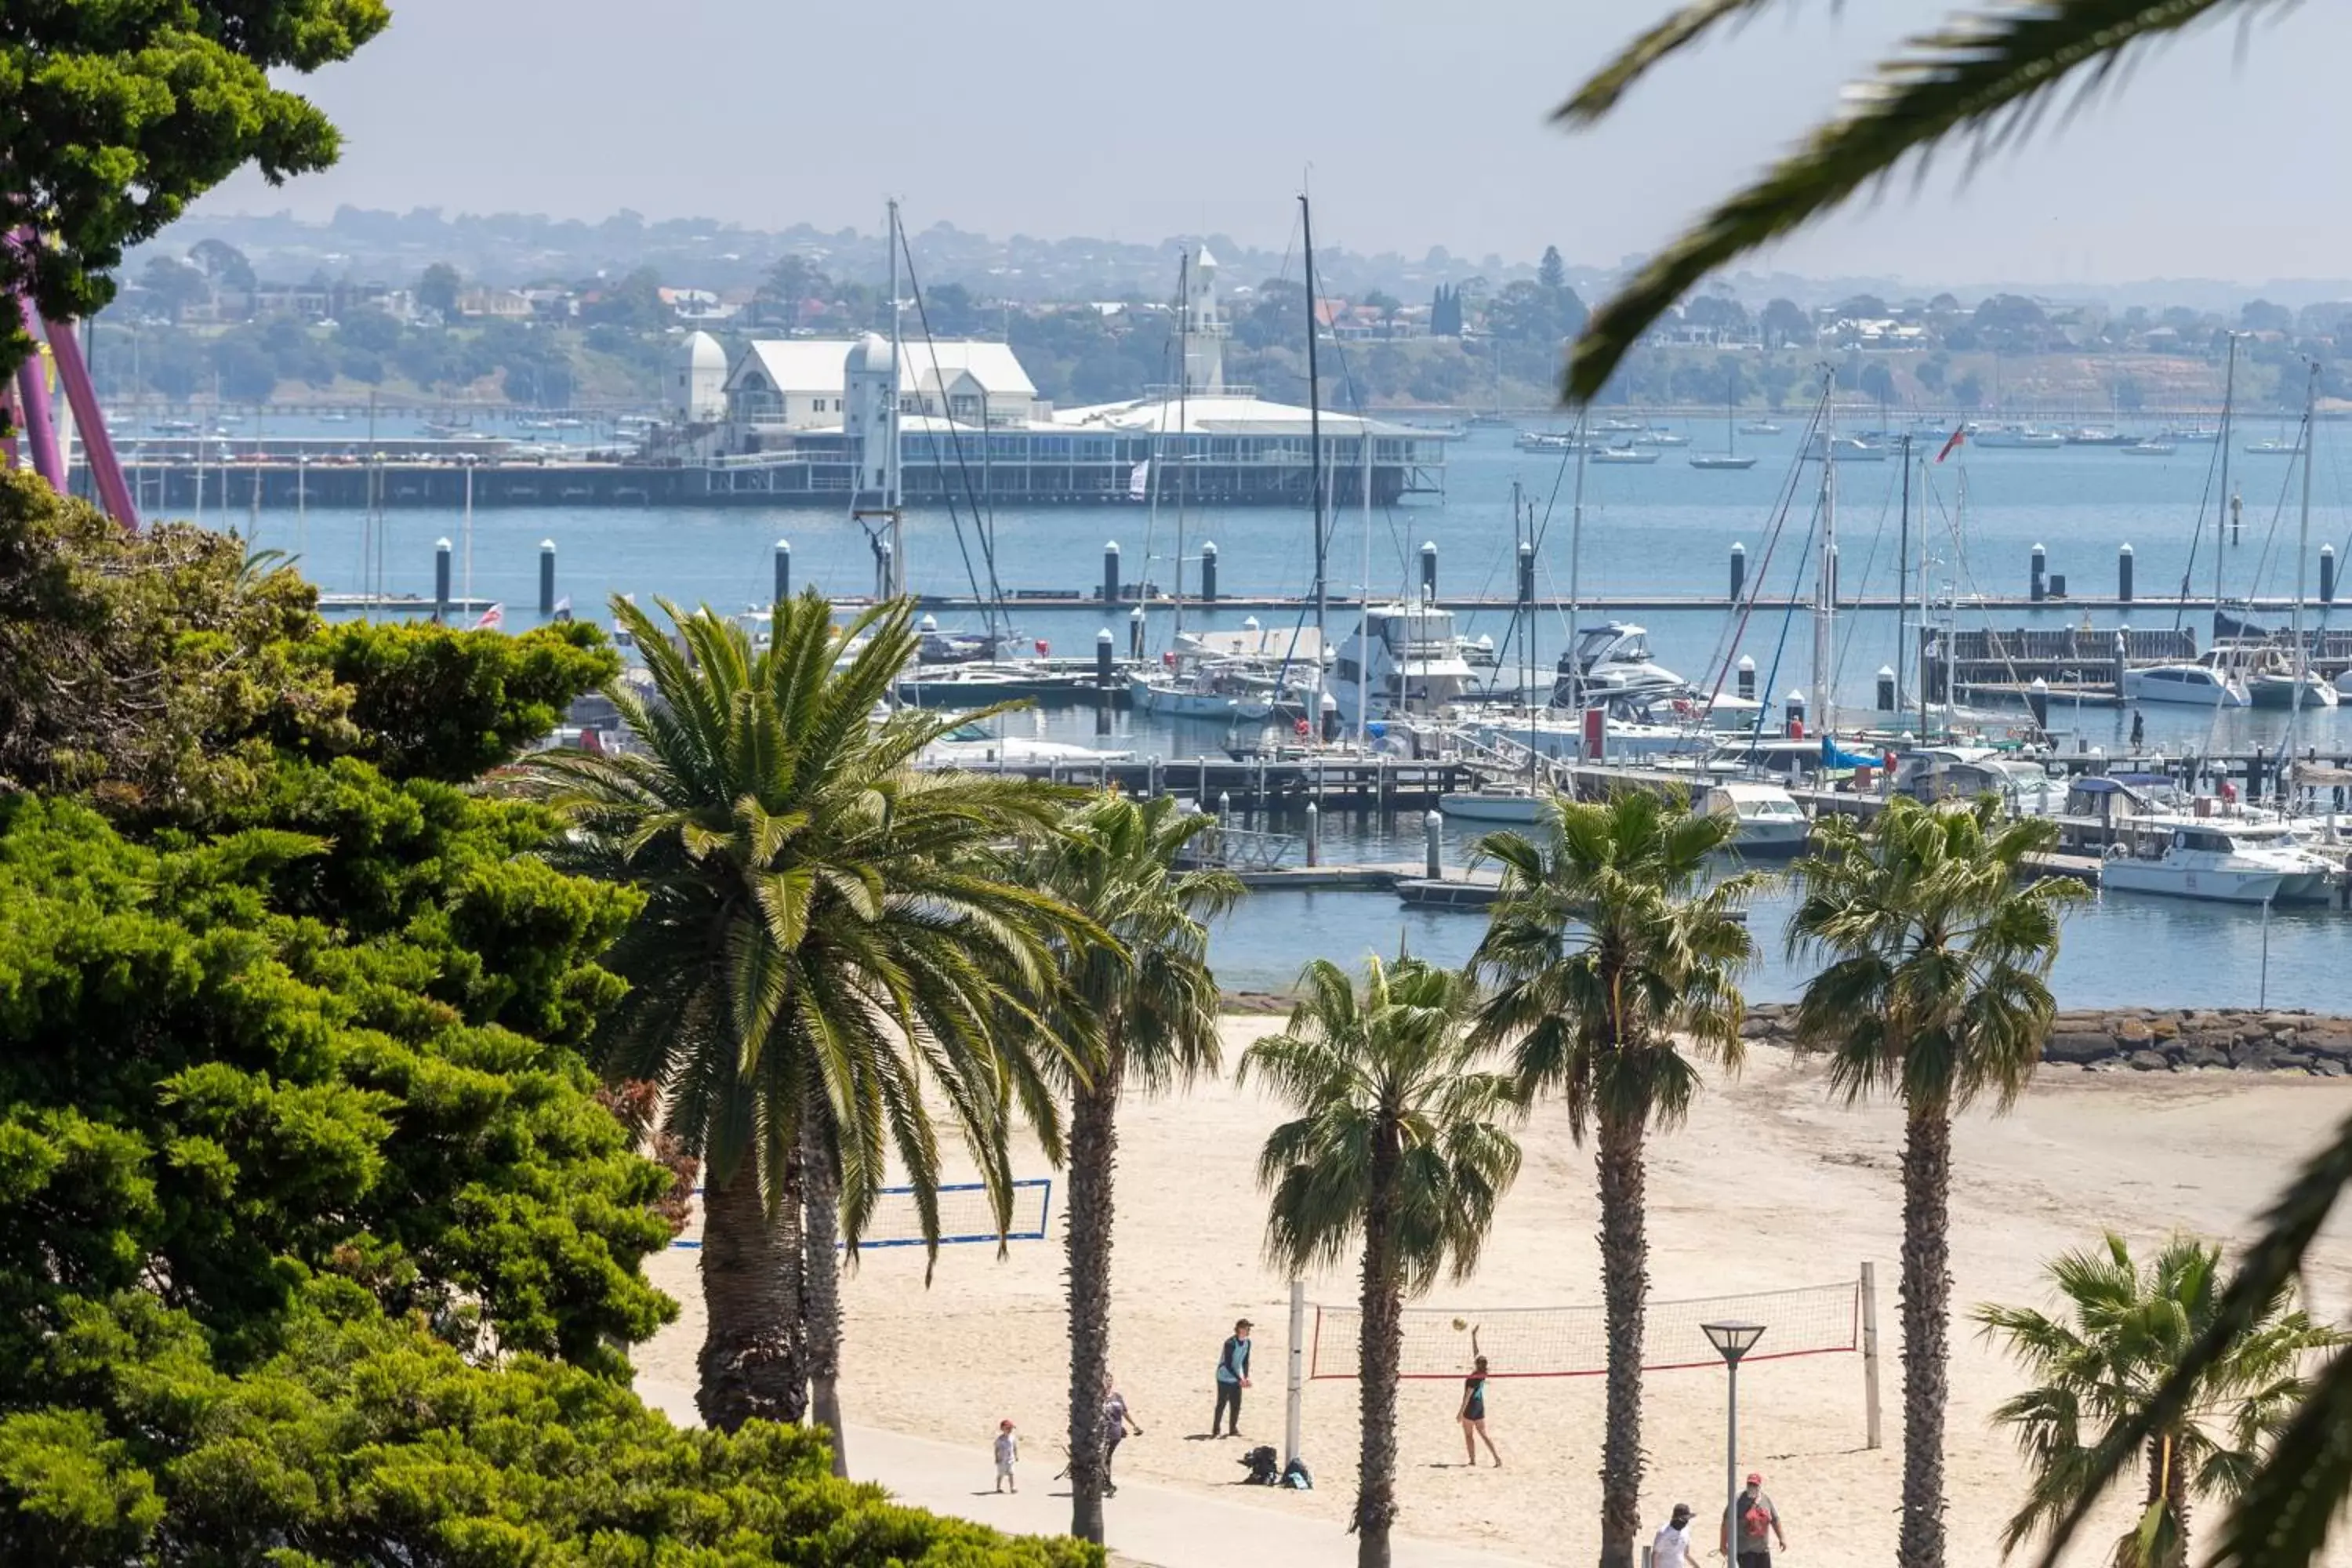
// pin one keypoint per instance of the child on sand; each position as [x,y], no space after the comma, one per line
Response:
[1008,1451]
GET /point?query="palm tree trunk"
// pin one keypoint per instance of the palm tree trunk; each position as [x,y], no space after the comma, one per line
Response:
[2168,1483]
[822,1298]
[753,1363]
[1379,1356]
[1094,1153]
[1624,1289]
[1926,1294]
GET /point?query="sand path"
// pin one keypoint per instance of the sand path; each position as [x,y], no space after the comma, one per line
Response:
[1772,1184]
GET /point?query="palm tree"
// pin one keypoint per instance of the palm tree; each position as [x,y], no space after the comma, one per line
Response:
[1399,1140]
[2125,1329]
[823,955]
[1137,1008]
[1602,952]
[1989,75]
[1935,991]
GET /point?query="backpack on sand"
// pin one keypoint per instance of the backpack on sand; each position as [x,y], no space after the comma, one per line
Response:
[1298,1477]
[1264,1466]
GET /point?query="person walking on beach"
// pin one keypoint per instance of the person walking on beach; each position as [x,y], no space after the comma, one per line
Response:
[1117,1422]
[1473,1414]
[1672,1549]
[1008,1451]
[1754,1515]
[1233,1377]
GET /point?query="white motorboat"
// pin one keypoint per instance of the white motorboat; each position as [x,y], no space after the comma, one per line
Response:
[1405,658]
[2149,449]
[1720,460]
[1562,737]
[1515,806]
[1609,661]
[2221,860]
[1759,427]
[2192,685]
[1624,454]
[2025,438]
[971,746]
[1772,826]
[1658,437]
[1848,449]
[2272,449]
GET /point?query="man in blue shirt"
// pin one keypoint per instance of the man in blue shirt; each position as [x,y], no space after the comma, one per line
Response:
[1233,1377]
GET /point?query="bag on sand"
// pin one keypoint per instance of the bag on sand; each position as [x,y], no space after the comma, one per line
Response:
[1263,1464]
[1298,1477]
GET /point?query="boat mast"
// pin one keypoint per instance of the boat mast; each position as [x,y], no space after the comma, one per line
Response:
[894,569]
[1824,583]
[1575,583]
[1903,580]
[2302,566]
[2221,513]
[1183,386]
[1314,412]
[1364,596]
[1921,640]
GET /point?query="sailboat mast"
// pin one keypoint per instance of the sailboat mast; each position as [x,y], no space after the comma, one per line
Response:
[1903,580]
[2221,515]
[2302,566]
[1183,388]
[895,568]
[1576,582]
[1824,584]
[1364,610]
[1314,412]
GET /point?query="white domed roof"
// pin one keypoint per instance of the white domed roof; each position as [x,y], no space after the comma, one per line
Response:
[868,353]
[702,351]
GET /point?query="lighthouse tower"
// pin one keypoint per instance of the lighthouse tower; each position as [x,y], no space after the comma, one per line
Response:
[1204,329]
[870,385]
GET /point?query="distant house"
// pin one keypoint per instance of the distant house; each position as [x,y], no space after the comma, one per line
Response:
[802,385]
[495,305]
[695,304]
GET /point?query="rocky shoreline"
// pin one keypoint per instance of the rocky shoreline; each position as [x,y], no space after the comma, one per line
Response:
[2162,1039]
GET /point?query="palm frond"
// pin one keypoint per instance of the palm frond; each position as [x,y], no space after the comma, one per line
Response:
[1990,74]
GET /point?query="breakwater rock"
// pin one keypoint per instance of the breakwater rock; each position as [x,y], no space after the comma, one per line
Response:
[2161,1039]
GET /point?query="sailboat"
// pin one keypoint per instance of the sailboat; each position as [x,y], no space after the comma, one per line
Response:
[1729,457]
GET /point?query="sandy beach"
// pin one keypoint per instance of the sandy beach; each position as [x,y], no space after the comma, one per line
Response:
[1772,1184]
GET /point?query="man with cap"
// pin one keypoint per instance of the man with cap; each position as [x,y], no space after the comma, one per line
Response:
[1672,1549]
[1753,1514]
[1233,1377]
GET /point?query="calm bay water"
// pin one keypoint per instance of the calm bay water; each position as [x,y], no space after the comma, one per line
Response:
[1662,529]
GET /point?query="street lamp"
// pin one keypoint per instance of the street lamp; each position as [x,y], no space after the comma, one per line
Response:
[1732,1341]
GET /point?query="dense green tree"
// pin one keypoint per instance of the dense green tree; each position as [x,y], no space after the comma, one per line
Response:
[222,263]
[172,285]
[1400,1142]
[827,951]
[1937,951]
[120,115]
[436,289]
[1137,1010]
[1551,273]
[1608,960]
[1786,324]
[2126,1330]
[433,703]
[359,1439]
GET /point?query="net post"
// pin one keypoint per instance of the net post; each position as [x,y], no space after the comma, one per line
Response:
[1294,1395]
[1869,1356]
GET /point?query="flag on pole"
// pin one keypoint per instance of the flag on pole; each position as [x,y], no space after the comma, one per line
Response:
[1959,434]
[563,608]
[492,619]
[1138,483]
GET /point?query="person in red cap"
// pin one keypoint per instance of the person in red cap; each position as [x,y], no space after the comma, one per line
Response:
[1008,1454]
[1757,1521]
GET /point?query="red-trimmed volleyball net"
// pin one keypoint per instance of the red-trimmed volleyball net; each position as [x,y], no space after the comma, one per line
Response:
[1838,1318]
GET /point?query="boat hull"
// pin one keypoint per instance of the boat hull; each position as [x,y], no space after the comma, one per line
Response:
[2223,887]
[1522,810]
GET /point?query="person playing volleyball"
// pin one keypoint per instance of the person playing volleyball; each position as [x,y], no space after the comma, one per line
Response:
[1473,1414]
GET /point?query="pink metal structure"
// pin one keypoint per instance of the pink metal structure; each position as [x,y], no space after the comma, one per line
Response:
[32,404]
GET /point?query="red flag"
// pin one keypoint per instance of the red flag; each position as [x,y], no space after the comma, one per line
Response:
[1959,434]
[492,619]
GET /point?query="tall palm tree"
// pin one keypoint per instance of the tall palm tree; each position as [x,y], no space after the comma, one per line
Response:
[823,955]
[1137,1007]
[2125,1329]
[1400,1141]
[1935,990]
[1605,955]
[1990,74]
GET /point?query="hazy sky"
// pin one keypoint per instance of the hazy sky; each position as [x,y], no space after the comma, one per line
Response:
[1419,122]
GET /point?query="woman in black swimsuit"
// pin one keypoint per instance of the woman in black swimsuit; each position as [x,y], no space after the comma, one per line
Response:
[1473,1414]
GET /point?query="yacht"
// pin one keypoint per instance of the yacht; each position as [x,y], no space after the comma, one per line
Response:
[1624,454]
[1759,427]
[1512,805]
[1772,826]
[2222,859]
[1848,449]
[2150,449]
[1546,441]
[2020,436]
[2098,435]
[971,746]
[1568,737]
[1657,435]
[1609,661]
[1720,460]
[2192,685]
[1240,689]
[2272,449]
[1404,657]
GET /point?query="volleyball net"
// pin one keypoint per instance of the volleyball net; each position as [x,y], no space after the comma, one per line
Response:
[966,1215]
[1573,1341]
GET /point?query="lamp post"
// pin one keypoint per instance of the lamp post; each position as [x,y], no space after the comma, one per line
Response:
[1732,1341]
